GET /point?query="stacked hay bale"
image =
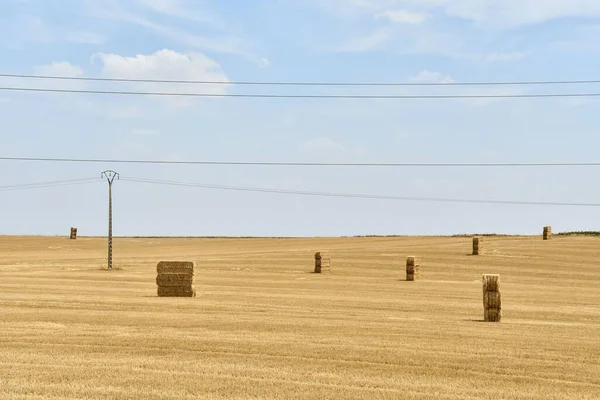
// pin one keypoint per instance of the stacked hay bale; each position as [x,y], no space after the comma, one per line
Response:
[73,234]
[413,268]
[322,262]
[477,246]
[547,235]
[492,300]
[175,279]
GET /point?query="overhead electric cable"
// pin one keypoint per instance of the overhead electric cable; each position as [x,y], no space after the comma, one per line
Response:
[39,185]
[353,195]
[291,83]
[299,164]
[303,96]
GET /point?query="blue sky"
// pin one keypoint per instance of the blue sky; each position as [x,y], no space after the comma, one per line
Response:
[300,40]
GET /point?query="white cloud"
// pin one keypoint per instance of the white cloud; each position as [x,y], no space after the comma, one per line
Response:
[59,69]
[62,68]
[166,65]
[145,132]
[402,17]
[323,144]
[427,76]
[497,57]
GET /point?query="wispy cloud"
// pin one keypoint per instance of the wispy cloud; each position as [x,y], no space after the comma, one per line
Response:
[402,17]
[499,57]
[427,76]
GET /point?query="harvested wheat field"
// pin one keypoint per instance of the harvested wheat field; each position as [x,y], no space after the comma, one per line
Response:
[264,326]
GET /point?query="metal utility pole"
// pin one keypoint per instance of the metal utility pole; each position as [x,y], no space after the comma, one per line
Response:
[110,177]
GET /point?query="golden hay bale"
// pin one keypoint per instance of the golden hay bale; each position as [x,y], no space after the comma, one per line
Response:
[174,280]
[477,244]
[547,234]
[175,267]
[492,315]
[491,283]
[322,262]
[492,300]
[182,291]
[413,268]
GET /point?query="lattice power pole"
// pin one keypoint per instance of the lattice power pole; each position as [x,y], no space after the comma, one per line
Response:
[110,177]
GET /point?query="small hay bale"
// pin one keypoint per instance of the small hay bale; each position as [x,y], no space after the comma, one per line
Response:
[322,262]
[175,267]
[413,268]
[477,245]
[547,233]
[492,299]
[182,291]
[73,235]
[174,280]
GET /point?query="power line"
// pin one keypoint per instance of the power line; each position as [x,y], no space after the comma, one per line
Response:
[297,164]
[302,96]
[50,184]
[288,83]
[354,195]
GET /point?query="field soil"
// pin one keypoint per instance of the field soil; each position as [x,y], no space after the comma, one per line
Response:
[263,326]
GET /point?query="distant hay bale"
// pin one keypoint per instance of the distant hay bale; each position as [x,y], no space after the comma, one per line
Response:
[174,280]
[175,267]
[182,291]
[492,299]
[477,246]
[413,268]
[73,235]
[322,262]
[547,234]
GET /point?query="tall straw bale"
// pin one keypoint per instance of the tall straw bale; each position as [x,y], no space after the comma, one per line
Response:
[73,234]
[322,262]
[492,299]
[547,233]
[477,246]
[413,268]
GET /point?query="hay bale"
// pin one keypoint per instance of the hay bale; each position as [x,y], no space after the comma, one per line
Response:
[477,244]
[413,268]
[492,299]
[491,283]
[547,233]
[492,315]
[174,280]
[73,234]
[322,262]
[175,267]
[182,291]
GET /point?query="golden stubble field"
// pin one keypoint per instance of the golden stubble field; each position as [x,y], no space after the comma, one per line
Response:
[264,327]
